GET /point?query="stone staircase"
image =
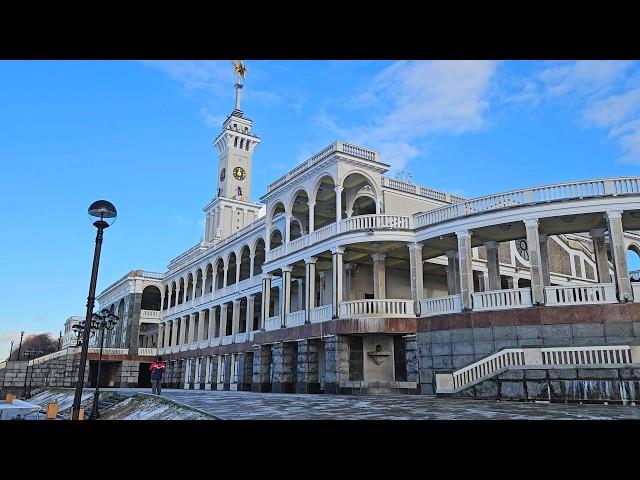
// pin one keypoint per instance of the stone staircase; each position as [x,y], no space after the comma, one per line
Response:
[106,400]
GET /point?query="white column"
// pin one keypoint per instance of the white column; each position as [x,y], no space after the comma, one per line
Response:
[602,260]
[266,298]
[493,265]
[207,373]
[252,259]
[235,323]
[287,228]
[223,320]
[312,212]
[379,277]
[465,268]
[416,272]
[285,294]
[619,255]
[183,329]
[338,190]
[251,300]
[174,333]
[535,260]
[160,335]
[192,320]
[337,253]
[309,286]
[224,275]
[378,205]
[453,281]
[200,326]
[544,258]
[212,323]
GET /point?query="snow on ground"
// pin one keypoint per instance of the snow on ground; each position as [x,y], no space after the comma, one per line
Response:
[63,397]
[151,407]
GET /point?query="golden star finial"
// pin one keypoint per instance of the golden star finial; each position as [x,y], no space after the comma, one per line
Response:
[240,70]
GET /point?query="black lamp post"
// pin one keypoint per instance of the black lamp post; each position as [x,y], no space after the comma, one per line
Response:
[11,350]
[106,320]
[20,345]
[102,210]
[60,341]
[31,353]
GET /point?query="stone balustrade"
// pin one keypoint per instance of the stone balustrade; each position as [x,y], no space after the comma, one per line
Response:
[150,352]
[322,313]
[377,308]
[296,318]
[581,294]
[502,299]
[440,305]
[272,323]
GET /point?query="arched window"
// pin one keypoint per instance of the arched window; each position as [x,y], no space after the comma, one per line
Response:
[151,298]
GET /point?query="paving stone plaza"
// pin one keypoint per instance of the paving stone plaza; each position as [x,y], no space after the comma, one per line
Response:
[229,405]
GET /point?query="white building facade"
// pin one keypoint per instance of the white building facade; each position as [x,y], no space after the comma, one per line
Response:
[330,289]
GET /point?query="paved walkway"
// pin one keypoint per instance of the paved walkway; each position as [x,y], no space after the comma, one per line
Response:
[257,406]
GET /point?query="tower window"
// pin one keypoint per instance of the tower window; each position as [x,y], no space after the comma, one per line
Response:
[242,143]
[235,142]
[247,146]
[246,129]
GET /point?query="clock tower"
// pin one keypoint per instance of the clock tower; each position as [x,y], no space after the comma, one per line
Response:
[231,208]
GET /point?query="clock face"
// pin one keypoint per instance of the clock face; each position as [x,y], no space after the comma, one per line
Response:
[239,173]
[223,173]
[522,249]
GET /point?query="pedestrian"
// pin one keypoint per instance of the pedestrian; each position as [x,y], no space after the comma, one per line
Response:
[157,369]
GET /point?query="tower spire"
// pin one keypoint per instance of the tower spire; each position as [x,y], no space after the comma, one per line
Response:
[240,71]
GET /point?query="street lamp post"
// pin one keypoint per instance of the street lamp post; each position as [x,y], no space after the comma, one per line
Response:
[106,320]
[11,350]
[60,341]
[20,345]
[103,210]
[31,353]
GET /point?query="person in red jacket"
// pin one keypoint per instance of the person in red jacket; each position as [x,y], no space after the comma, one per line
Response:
[157,368]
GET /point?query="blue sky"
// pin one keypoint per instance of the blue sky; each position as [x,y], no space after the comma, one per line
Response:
[139,134]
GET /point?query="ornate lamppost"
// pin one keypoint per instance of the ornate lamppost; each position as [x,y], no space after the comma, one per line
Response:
[105,211]
[30,353]
[106,320]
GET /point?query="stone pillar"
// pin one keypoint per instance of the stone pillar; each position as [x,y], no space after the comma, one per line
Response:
[200,335]
[261,369]
[225,269]
[416,272]
[299,293]
[193,292]
[212,323]
[183,330]
[309,286]
[235,323]
[285,295]
[191,319]
[237,270]
[252,259]
[312,212]
[207,372]
[465,268]
[453,280]
[337,253]
[544,258]
[241,381]
[307,380]
[266,299]
[535,260]
[174,333]
[619,255]
[282,353]
[213,372]
[602,260]
[227,372]
[251,300]
[411,356]
[161,335]
[336,362]
[287,228]
[338,190]
[379,277]
[493,265]
[223,320]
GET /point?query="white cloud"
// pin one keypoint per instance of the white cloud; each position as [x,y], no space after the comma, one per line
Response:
[584,77]
[613,110]
[414,99]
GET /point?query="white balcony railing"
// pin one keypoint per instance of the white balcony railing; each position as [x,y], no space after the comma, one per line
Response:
[149,315]
[440,305]
[501,299]
[272,323]
[376,308]
[322,313]
[295,319]
[581,294]
[148,352]
[227,340]
[241,337]
[322,233]
[244,284]
[375,222]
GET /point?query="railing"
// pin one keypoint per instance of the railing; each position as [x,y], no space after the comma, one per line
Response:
[243,284]
[376,308]
[500,299]
[295,319]
[153,314]
[227,340]
[323,233]
[374,221]
[349,149]
[241,337]
[203,343]
[155,275]
[149,352]
[635,288]
[272,323]
[536,358]
[109,351]
[419,190]
[605,355]
[581,294]
[547,193]
[322,313]
[440,305]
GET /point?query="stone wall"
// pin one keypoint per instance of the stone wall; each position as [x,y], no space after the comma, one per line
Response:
[593,384]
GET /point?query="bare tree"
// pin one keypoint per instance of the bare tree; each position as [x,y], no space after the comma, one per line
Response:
[40,341]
